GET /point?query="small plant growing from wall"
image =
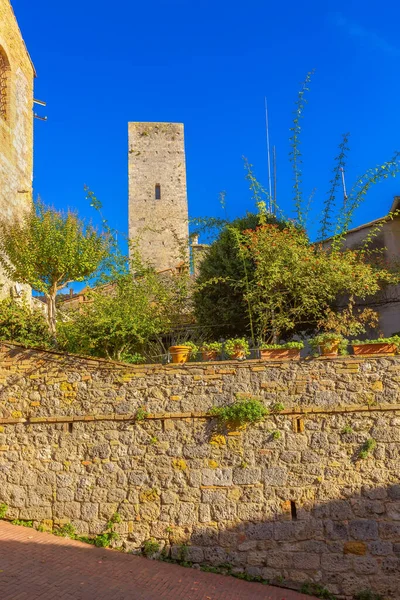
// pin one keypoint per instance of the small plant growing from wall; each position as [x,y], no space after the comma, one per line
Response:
[104,540]
[277,407]
[3,510]
[276,435]
[141,414]
[243,411]
[347,429]
[368,595]
[367,448]
[150,547]
[316,590]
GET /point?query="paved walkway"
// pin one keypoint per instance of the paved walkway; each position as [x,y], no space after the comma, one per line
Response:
[41,566]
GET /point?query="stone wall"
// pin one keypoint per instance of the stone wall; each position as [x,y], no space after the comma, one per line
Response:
[158,224]
[16,120]
[295,505]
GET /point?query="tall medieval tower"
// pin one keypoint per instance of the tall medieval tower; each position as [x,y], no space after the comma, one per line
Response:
[16,121]
[158,208]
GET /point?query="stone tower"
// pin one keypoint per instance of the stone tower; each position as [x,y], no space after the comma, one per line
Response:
[16,120]
[158,208]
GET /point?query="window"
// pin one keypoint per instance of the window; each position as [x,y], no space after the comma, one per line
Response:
[4,83]
[158,191]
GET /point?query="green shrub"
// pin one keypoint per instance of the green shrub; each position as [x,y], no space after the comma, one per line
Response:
[241,412]
[234,345]
[150,547]
[211,347]
[326,338]
[21,323]
[367,448]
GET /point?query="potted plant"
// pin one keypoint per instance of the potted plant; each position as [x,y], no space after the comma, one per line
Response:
[329,344]
[237,348]
[388,346]
[181,354]
[288,351]
[210,350]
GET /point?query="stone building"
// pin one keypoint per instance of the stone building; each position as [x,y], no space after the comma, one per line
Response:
[384,236]
[16,119]
[158,208]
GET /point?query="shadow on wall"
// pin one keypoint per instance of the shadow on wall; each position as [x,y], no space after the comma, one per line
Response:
[347,545]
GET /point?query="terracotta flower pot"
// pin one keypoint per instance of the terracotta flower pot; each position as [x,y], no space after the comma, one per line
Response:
[180,354]
[368,349]
[238,354]
[209,355]
[330,348]
[280,354]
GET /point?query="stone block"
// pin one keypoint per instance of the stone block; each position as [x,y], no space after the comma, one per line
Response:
[357,548]
[275,476]
[245,476]
[218,477]
[363,529]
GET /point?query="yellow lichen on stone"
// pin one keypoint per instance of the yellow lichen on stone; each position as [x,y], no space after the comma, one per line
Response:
[16,414]
[218,440]
[212,464]
[149,495]
[179,464]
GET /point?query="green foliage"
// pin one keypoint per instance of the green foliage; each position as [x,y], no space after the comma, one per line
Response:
[287,346]
[48,249]
[395,339]
[21,323]
[22,523]
[211,347]
[194,349]
[317,590]
[295,282]
[368,595]
[242,411]
[3,510]
[347,429]
[67,530]
[105,539]
[277,407]
[327,338]
[276,435]
[124,314]
[295,154]
[150,547]
[232,346]
[367,448]
[133,359]
[141,414]
[218,301]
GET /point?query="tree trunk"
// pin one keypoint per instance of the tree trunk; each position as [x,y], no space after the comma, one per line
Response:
[51,314]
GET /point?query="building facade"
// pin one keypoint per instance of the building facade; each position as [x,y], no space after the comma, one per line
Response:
[158,207]
[16,121]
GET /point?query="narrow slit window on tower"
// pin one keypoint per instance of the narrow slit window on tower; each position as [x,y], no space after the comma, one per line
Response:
[293,510]
[158,191]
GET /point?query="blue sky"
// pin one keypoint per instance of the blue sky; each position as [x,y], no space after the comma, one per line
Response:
[209,64]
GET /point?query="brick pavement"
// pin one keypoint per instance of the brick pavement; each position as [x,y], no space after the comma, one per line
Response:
[41,566]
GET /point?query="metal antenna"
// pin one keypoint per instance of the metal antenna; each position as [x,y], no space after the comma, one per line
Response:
[269,156]
[274,170]
[344,186]
[41,103]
